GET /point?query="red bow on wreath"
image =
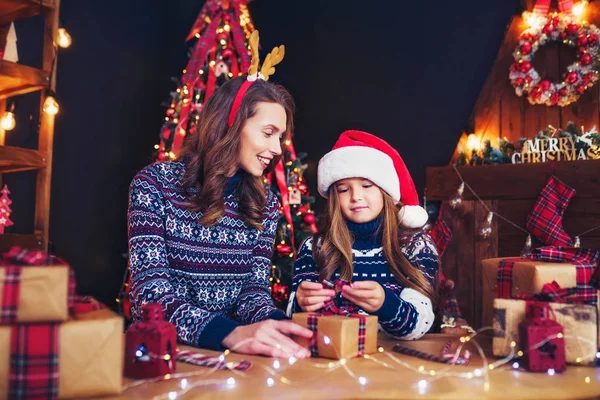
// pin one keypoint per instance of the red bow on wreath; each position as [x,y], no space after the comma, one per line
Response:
[543,6]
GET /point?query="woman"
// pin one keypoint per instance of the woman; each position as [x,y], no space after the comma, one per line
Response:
[202,228]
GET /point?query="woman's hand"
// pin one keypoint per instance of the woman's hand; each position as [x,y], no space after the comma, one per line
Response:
[311,296]
[268,338]
[368,295]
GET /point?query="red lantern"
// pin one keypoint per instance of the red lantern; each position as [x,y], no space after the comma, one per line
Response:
[542,340]
[150,345]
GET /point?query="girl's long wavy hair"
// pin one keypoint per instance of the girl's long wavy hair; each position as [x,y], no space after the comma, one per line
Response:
[212,154]
[332,246]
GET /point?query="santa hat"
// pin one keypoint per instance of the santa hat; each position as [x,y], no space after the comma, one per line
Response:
[359,154]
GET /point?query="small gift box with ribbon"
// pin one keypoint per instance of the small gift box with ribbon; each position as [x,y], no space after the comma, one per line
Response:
[579,323]
[34,287]
[338,333]
[509,278]
[80,357]
[542,339]
[151,345]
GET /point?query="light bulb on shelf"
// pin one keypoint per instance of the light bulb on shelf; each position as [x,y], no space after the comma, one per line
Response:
[50,105]
[63,39]
[8,122]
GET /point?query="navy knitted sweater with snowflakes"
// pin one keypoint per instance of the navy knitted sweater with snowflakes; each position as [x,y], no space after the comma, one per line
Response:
[405,313]
[209,280]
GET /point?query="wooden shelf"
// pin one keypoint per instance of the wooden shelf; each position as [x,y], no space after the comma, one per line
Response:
[15,10]
[19,79]
[13,159]
[29,242]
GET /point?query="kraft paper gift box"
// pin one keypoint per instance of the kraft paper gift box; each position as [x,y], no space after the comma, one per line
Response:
[337,337]
[34,287]
[527,277]
[89,357]
[579,321]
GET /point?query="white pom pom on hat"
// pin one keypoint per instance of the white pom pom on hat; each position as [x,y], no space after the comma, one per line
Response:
[358,154]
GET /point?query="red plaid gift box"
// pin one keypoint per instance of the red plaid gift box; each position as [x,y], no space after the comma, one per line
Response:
[80,357]
[34,287]
[512,277]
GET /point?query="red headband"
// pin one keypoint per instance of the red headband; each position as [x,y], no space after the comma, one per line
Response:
[238,100]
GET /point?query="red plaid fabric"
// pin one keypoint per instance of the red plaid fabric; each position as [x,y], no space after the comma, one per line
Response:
[441,235]
[552,292]
[10,295]
[546,218]
[201,49]
[448,294]
[34,361]
[504,285]
[586,262]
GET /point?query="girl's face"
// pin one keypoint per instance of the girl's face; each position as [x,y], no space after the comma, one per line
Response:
[360,199]
[261,137]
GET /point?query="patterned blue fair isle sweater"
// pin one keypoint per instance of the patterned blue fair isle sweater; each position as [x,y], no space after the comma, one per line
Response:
[208,279]
[405,313]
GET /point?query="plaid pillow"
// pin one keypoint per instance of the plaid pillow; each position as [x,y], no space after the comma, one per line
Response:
[545,221]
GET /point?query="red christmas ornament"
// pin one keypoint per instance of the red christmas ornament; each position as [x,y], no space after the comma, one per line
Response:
[170,112]
[150,345]
[555,21]
[525,66]
[572,28]
[222,36]
[548,29]
[280,292]
[227,53]
[526,48]
[303,188]
[582,40]
[303,209]
[514,67]
[536,93]
[562,92]
[542,340]
[554,97]
[309,218]
[585,59]
[527,37]
[545,84]
[571,77]
[587,78]
[592,39]
[283,250]
[519,81]
[581,89]
[563,35]
[528,79]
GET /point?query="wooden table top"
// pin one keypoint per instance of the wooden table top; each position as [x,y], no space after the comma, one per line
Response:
[384,378]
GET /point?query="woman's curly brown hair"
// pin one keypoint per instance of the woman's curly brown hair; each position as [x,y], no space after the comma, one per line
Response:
[212,154]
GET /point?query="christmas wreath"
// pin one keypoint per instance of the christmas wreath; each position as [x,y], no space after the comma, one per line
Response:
[580,76]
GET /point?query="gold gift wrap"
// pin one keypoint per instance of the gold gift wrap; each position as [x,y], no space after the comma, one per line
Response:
[579,322]
[342,334]
[527,277]
[44,293]
[91,355]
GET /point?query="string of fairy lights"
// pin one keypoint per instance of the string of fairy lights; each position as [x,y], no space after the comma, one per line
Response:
[486,227]
[276,371]
[61,39]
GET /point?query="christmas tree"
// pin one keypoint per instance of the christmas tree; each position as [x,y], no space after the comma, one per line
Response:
[220,53]
[5,210]
[296,220]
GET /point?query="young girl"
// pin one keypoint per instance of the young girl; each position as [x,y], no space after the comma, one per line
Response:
[392,272]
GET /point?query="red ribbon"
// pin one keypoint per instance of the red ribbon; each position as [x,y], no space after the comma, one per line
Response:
[552,292]
[543,6]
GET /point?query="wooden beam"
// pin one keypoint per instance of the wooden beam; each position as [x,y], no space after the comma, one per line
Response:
[18,79]
[513,181]
[16,10]
[13,159]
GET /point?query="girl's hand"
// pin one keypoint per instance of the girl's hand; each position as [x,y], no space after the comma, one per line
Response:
[368,295]
[311,296]
[269,338]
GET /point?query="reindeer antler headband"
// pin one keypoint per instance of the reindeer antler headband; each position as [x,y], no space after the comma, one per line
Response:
[268,68]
